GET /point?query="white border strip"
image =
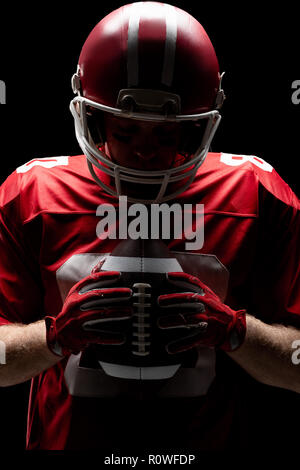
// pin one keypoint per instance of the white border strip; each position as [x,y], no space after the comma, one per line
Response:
[128,264]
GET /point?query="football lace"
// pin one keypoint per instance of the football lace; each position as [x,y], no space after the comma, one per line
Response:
[141,319]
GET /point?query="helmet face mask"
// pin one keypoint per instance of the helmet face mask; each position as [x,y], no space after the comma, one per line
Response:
[154,105]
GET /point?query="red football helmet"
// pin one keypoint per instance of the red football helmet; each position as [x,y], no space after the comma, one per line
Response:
[152,62]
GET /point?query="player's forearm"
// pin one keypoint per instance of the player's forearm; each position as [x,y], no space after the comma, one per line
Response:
[267,353]
[25,352]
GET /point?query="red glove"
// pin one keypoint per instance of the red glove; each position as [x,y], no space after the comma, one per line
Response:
[200,311]
[93,312]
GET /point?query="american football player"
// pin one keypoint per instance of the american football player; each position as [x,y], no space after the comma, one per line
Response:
[147,103]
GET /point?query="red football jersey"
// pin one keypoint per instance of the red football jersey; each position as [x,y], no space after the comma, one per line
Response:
[49,241]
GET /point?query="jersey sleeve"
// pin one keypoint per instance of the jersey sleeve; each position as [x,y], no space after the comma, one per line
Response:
[21,298]
[276,273]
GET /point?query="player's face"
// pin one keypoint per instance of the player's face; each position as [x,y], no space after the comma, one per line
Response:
[141,145]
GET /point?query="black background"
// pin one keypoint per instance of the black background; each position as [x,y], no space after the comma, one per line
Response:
[40,43]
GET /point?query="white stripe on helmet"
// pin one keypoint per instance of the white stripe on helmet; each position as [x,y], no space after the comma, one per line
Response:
[133,43]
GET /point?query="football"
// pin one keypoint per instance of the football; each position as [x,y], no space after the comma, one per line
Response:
[143,265]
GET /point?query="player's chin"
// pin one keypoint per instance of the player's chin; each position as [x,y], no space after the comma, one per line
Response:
[144,191]
[140,191]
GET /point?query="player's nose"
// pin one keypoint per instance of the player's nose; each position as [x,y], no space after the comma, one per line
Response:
[146,155]
[146,147]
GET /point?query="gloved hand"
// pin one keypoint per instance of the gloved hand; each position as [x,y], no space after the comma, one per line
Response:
[93,312]
[200,316]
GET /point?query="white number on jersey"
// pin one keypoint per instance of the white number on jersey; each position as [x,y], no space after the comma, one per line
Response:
[236,160]
[45,162]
